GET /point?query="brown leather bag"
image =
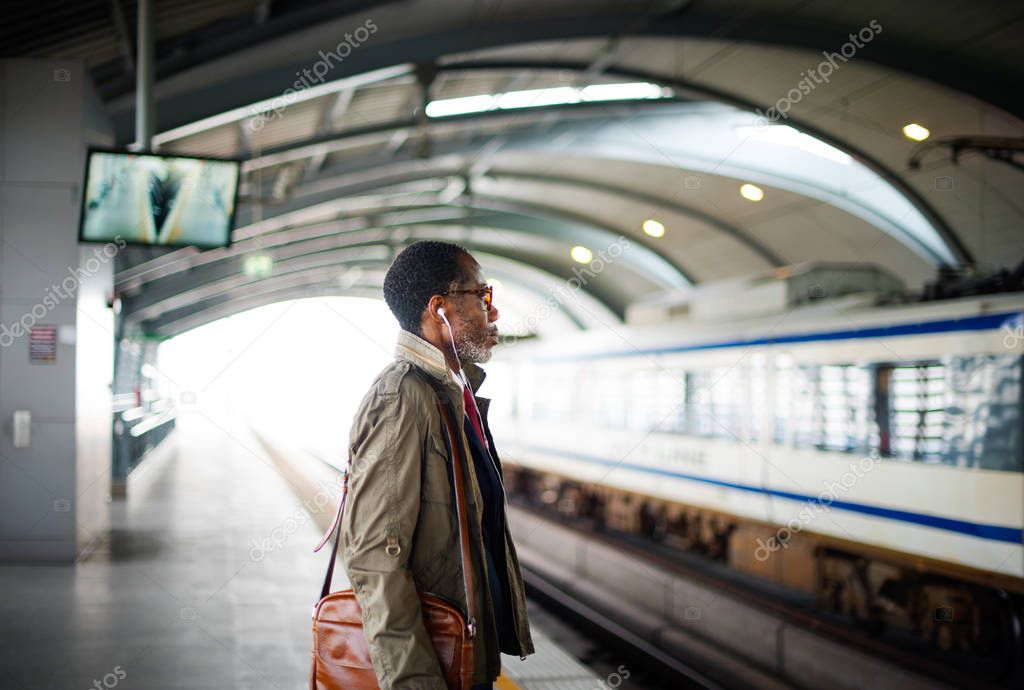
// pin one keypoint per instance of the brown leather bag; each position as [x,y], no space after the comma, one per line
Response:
[341,655]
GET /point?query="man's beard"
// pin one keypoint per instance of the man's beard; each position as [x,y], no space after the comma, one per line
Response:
[476,350]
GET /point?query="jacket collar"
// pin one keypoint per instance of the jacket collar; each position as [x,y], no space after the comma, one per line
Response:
[417,351]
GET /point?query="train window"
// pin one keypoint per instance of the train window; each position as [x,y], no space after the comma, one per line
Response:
[592,379]
[805,413]
[827,406]
[910,410]
[641,414]
[728,402]
[783,397]
[698,417]
[843,392]
[962,411]
[609,396]
[983,420]
[755,405]
[673,390]
[919,404]
[666,392]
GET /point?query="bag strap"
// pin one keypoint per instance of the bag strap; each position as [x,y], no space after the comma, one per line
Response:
[460,495]
[327,535]
[455,454]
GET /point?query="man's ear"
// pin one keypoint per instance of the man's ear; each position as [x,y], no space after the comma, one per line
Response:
[436,302]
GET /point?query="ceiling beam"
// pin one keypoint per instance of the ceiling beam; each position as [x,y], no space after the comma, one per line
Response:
[334,111]
[365,175]
[962,257]
[234,295]
[949,236]
[202,62]
[188,286]
[123,36]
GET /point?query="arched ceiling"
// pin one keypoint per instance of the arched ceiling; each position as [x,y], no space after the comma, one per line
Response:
[353,167]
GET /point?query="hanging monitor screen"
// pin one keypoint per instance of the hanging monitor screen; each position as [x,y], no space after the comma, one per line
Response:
[151,199]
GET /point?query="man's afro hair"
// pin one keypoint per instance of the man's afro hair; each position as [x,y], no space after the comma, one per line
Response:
[420,271]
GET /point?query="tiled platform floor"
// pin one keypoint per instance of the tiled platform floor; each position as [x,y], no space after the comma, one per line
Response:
[206,582]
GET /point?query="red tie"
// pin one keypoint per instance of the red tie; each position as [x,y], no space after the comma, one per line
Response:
[474,418]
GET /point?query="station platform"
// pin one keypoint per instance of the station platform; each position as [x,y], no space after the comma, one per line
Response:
[205,580]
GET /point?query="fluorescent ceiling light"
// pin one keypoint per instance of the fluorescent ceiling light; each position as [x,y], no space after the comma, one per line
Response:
[538,97]
[461,106]
[624,92]
[654,228]
[258,265]
[751,192]
[916,132]
[556,95]
[581,254]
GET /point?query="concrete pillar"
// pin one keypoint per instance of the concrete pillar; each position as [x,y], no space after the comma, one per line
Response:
[54,491]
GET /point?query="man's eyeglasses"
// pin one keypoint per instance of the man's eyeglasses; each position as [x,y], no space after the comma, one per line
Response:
[487,293]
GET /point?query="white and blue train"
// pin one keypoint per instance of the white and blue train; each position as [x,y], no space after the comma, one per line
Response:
[869,454]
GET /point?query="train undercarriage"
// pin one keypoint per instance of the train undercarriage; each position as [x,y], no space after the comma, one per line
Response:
[958,614]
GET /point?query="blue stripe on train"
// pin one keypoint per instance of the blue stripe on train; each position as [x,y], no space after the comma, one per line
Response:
[1010,535]
[971,323]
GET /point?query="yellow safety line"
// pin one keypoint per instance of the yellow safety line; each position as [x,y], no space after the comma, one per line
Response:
[504,683]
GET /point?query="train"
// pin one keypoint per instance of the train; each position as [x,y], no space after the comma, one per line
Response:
[806,429]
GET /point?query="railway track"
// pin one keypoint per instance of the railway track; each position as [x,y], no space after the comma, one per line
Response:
[542,537]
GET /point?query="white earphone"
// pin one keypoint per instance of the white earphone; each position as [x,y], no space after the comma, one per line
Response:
[466,386]
[462,373]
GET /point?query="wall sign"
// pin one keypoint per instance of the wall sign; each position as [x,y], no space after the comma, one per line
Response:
[42,345]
